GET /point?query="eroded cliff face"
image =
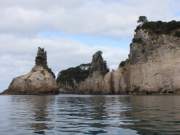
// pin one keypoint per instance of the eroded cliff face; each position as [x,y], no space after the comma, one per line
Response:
[154,60]
[86,78]
[153,65]
[95,82]
[41,80]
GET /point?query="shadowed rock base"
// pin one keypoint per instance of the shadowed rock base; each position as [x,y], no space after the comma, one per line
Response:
[12,92]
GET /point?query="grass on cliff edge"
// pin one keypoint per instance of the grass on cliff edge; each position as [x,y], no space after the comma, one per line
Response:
[70,75]
[160,27]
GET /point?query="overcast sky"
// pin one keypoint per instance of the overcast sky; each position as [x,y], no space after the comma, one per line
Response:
[71,31]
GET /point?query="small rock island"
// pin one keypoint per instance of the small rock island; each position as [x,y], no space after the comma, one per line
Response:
[40,80]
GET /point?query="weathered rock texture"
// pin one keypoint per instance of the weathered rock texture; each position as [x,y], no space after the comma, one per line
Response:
[41,80]
[98,64]
[94,83]
[86,78]
[153,65]
[154,60]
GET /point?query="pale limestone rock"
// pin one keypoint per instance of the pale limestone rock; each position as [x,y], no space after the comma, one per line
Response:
[93,84]
[39,81]
[153,65]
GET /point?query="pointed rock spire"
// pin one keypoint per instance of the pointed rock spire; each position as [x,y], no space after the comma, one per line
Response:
[41,58]
[98,64]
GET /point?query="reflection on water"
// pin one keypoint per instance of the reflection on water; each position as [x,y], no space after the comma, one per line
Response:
[94,115]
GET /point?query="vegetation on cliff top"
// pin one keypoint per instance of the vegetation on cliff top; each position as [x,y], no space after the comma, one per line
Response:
[160,27]
[73,75]
[123,63]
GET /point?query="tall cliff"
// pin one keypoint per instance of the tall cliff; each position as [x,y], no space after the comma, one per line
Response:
[153,65]
[154,59]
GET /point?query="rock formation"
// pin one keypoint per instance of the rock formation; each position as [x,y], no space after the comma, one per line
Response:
[98,65]
[41,80]
[84,78]
[153,65]
[68,80]
[154,59]
[94,83]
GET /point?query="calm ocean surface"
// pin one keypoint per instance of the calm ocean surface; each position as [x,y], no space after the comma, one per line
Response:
[93,115]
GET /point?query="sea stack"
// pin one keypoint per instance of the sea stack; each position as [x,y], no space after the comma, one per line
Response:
[40,80]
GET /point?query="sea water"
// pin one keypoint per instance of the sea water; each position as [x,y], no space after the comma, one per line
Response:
[89,114]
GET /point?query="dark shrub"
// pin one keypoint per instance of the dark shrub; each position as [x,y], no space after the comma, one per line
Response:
[123,63]
[137,40]
[142,19]
[78,74]
[177,34]
[160,27]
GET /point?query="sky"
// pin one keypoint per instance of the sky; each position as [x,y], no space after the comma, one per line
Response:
[71,31]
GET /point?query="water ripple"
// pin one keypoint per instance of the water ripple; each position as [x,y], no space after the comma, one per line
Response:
[91,115]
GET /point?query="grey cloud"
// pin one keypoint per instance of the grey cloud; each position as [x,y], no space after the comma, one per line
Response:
[94,17]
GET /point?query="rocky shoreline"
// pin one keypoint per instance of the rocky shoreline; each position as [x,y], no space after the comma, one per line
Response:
[152,68]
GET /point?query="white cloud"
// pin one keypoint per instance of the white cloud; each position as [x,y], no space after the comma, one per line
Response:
[95,17]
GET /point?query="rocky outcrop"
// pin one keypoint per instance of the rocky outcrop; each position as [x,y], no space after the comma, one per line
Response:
[154,59]
[86,78]
[95,84]
[98,65]
[153,65]
[41,80]
[68,80]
